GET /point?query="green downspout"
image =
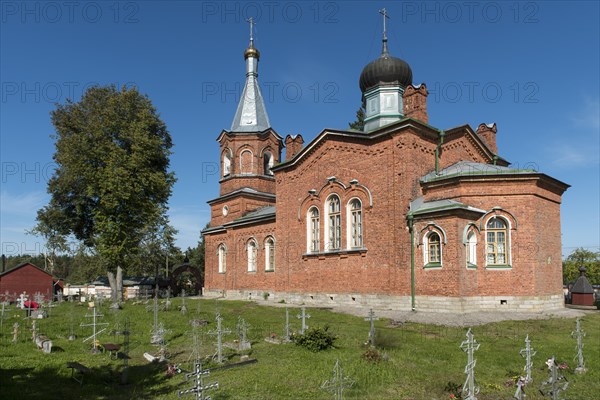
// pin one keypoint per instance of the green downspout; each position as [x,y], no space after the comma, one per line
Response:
[412,261]
[437,153]
[495,159]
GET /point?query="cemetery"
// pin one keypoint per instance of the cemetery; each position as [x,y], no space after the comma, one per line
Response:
[178,347]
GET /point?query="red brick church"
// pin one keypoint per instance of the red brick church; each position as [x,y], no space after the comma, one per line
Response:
[399,215]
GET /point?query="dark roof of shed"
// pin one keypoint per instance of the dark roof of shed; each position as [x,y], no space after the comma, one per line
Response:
[582,286]
[127,281]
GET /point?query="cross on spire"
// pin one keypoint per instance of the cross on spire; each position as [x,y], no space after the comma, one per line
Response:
[385,15]
[383,12]
[251,22]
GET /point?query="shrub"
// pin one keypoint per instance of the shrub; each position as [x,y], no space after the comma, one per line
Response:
[372,355]
[315,339]
[455,390]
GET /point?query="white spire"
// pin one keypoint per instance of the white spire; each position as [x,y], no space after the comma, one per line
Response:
[251,114]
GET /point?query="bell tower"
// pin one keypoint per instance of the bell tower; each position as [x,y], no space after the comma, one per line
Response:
[248,150]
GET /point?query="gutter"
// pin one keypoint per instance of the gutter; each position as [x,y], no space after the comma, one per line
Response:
[409,217]
[437,153]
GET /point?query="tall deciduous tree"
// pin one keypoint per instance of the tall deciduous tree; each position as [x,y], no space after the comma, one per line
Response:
[112,180]
[578,258]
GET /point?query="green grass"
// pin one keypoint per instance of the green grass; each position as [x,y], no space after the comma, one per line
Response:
[419,360]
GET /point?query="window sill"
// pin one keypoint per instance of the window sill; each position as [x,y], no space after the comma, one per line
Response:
[340,253]
[269,270]
[221,273]
[471,266]
[433,266]
[498,267]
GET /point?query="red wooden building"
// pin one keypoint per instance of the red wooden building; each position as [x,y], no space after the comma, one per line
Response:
[27,278]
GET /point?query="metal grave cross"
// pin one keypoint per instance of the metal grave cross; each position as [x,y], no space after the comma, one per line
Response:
[21,301]
[579,334]
[470,345]
[527,353]
[126,332]
[338,383]
[552,387]
[287,325]
[15,332]
[195,353]
[199,386]
[94,326]
[38,298]
[242,331]
[183,307]
[34,330]
[219,334]
[371,317]
[304,316]
[4,308]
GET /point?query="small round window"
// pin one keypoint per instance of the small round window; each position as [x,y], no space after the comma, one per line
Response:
[225,210]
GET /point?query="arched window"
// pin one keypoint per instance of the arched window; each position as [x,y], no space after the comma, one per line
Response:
[433,250]
[334,223]
[252,249]
[268,162]
[227,162]
[354,224]
[246,162]
[269,254]
[222,254]
[313,230]
[496,251]
[471,249]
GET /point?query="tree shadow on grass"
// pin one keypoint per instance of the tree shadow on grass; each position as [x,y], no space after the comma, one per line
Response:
[143,381]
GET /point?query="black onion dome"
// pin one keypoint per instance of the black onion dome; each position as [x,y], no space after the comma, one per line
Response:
[385,69]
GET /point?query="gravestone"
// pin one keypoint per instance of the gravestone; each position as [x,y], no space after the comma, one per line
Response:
[470,389]
[338,383]
[303,316]
[578,335]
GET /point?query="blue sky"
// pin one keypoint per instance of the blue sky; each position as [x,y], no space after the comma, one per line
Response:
[531,67]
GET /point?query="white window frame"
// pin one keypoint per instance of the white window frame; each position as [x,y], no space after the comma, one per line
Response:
[222,258]
[471,248]
[270,254]
[507,243]
[269,162]
[354,236]
[427,251]
[337,245]
[313,230]
[227,162]
[252,253]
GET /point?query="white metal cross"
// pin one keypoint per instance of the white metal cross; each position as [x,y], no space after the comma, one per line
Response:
[304,316]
